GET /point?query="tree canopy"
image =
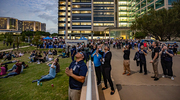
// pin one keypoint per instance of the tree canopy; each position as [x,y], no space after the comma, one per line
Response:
[162,24]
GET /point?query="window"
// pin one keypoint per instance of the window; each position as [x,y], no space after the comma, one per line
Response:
[143,3]
[62,24]
[171,1]
[62,19]
[159,3]
[81,17]
[149,1]
[103,18]
[69,19]
[97,2]
[122,13]
[85,31]
[85,23]
[109,8]
[62,8]
[98,24]
[150,7]
[69,24]
[69,8]
[122,8]
[143,11]
[69,31]
[75,31]
[69,14]
[62,13]
[81,27]
[123,19]
[122,3]
[81,6]
[108,13]
[62,32]
[69,3]
[123,24]
[75,23]
[62,3]
[85,12]
[76,12]
[108,24]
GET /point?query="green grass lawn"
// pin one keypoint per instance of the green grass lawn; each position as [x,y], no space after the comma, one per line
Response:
[20,87]
[178,52]
[2,47]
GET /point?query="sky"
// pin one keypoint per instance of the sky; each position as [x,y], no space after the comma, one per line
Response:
[44,11]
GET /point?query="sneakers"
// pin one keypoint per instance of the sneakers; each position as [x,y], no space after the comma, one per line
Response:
[172,78]
[156,79]
[128,74]
[163,76]
[153,77]
[98,84]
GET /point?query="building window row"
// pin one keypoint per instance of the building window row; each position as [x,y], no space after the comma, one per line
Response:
[103,2]
[103,24]
[81,23]
[81,12]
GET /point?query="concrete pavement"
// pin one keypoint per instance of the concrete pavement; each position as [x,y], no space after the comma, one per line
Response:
[142,87]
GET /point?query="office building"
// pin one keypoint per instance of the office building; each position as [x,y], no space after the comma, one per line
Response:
[77,18]
[16,26]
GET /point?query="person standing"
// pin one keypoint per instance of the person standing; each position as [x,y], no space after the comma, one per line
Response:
[73,52]
[97,63]
[106,69]
[142,54]
[166,62]
[126,61]
[154,61]
[76,72]
[175,46]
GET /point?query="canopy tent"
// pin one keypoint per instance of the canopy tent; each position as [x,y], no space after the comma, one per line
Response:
[47,38]
[83,38]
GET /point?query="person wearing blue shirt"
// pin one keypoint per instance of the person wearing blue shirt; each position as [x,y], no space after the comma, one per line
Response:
[52,71]
[97,63]
[142,54]
[166,62]
[76,72]
[73,52]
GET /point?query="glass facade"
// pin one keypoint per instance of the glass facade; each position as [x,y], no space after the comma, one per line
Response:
[159,3]
[3,23]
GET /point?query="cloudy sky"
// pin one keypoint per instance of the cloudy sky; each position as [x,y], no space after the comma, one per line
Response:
[45,11]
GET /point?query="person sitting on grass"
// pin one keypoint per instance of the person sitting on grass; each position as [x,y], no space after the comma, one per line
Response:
[63,54]
[15,72]
[3,69]
[54,52]
[8,56]
[15,66]
[52,71]
[1,55]
[20,54]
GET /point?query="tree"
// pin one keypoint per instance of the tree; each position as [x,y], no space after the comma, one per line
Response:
[54,34]
[9,38]
[23,36]
[36,39]
[161,24]
[139,35]
[17,41]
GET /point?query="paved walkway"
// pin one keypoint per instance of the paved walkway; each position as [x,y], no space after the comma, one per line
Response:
[142,87]
[12,48]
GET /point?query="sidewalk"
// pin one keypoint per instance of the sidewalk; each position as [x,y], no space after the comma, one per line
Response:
[12,49]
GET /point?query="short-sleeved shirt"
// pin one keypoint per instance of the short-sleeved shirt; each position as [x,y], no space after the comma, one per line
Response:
[154,51]
[166,57]
[73,50]
[79,69]
[52,71]
[126,54]
[142,56]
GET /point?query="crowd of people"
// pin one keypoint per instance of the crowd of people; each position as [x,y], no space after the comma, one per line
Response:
[99,52]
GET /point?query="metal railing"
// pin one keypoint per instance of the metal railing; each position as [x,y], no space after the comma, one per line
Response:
[89,85]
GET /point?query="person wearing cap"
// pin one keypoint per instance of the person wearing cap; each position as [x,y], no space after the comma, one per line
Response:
[175,46]
[76,72]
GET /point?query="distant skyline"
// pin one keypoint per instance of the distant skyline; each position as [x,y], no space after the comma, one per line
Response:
[44,11]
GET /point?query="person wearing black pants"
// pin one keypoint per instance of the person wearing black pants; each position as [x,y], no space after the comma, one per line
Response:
[166,62]
[142,54]
[106,69]
[97,63]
